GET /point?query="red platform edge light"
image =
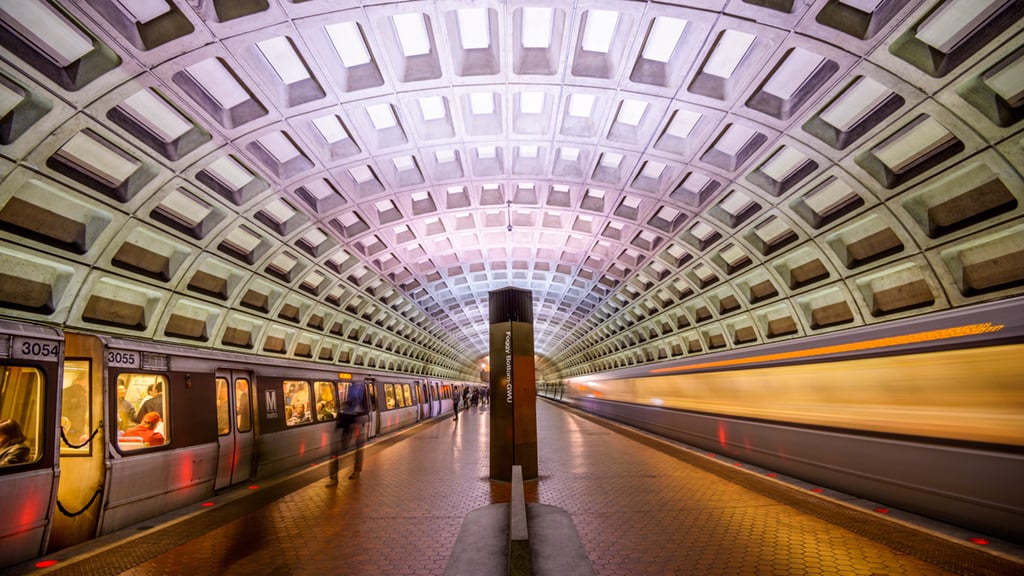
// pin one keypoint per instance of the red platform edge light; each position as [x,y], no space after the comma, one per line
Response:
[977,540]
[46,563]
[253,487]
[818,490]
[882,510]
[207,504]
[771,474]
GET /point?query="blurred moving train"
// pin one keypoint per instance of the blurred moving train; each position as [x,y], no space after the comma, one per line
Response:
[924,415]
[225,419]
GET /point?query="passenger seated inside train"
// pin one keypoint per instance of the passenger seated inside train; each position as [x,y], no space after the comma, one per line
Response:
[299,414]
[13,444]
[146,431]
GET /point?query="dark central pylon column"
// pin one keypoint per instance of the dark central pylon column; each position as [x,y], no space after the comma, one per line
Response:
[513,390]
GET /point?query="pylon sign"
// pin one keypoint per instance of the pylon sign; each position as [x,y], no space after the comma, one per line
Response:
[513,390]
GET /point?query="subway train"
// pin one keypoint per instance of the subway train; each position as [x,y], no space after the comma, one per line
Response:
[123,430]
[924,415]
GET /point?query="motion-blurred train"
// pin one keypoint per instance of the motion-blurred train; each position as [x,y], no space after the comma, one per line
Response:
[224,419]
[924,414]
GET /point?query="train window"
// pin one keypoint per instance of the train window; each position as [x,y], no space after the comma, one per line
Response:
[21,415]
[142,411]
[325,403]
[296,402]
[389,396]
[223,406]
[75,412]
[243,407]
[408,394]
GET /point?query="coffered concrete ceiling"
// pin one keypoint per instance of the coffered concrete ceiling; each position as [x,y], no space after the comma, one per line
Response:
[346,181]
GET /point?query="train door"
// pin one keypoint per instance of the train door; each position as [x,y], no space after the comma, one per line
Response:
[82,444]
[371,398]
[235,430]
[426,410]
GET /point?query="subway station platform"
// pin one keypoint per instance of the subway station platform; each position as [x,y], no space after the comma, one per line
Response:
[640,505]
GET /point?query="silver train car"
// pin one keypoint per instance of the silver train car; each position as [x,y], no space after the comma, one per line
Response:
[924,415]
[120,430]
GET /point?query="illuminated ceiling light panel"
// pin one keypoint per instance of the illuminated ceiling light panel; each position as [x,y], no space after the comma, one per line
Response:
[728,53]
[481,103]
[866,6]
[432,107]
[669,215]
[704,272]
[279,146]
[599,29]
[1008,83]
[855,104]
[362,174]
[528,151]
[412,33]
[143,11]
[157,116]
[487,152]
[348,43]
[404,163]
[736,203]
[735,138]
[281,56]
[581,105]
[653,170]
[99,160]
[830,197]
[537,27]
[683,123]
[242,241]
[702,231]
[954,21]
[230,173]
[665,35]
[330,128]
[531,102]
[382,116]
[444,156]
[914,145]
[695,182]
[314,238]
[347,219]
[383,206]
[631,112]
[569,154]
[313,279]
[320,189]
[630,202]
[218,83]
[474,28]
[611,159]
[183,208]
[278,211]
[784,163]
[283,263]
[772,231]
[798,67]
[43,27]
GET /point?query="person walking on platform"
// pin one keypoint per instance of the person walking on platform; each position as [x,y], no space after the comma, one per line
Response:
[455,405]
[350,421]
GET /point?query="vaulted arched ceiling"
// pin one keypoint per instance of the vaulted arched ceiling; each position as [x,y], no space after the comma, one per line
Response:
[346,181]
